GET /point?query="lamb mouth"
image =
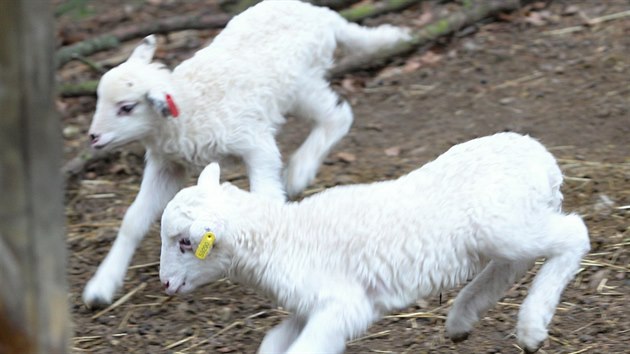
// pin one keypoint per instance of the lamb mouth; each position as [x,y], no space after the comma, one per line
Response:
[101,146]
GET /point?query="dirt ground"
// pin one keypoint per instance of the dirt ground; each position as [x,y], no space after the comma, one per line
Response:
[570,89]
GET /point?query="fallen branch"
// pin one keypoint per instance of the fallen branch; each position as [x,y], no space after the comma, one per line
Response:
[368,10]
[86,88]
[473,11]
[589,23]
[113,39]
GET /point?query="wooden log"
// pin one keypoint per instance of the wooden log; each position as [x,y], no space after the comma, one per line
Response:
[33,308]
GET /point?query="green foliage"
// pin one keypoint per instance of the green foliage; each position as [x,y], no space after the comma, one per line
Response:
[438,28]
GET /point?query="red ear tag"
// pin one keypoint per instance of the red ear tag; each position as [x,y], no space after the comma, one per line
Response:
[171,106]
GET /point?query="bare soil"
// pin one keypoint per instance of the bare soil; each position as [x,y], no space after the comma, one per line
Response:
[571,91]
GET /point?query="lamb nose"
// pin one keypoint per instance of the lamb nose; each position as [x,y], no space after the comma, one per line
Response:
[166,285]
[93,138]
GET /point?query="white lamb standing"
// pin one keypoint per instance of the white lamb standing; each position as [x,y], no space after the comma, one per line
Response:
[229,99]
[343,258]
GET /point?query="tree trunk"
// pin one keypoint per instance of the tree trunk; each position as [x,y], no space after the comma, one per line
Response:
[33,307]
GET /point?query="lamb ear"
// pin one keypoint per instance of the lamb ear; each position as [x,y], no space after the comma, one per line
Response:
[163,103]
[210,176]
[144,52]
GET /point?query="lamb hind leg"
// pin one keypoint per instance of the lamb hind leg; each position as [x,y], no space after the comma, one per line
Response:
[480,295]
[332,118]
[264,166]
[565,245]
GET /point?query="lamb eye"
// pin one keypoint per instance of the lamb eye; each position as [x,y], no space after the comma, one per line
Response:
[126,109]
[184,244]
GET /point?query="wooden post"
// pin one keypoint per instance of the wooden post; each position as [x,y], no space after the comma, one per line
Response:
[33,306]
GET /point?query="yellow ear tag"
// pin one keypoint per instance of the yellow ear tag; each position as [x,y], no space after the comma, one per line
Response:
[205,245]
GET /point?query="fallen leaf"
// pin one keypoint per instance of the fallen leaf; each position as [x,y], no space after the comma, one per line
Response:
[535,18]
[389,72]
[571,10]
[425,18]
[430,57]
[411,65]
[349,84]
[539,5]
[119,168]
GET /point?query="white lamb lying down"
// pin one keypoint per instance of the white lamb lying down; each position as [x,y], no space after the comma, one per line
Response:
[343,258]
[229,99]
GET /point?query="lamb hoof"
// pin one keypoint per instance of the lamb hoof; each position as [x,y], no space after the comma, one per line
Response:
[532,350]
[459,337]
[97,303]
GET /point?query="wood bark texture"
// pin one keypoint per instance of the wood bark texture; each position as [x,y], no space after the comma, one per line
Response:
[33,307]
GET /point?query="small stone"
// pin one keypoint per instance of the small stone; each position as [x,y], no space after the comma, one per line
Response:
[586,338]
[506,100]
[90,175]
[423,304]
[70,131]
[346,157]
[570,10]
[188,331]
[392,151]
[183,307]
[471,46]
[226,314]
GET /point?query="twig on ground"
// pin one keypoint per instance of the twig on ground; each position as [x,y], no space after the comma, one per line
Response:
[373,335]
[92,64]
[589,23]
[120,301]
[178,343]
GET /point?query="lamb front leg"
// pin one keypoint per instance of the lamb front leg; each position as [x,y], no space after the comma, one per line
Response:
[160,183]
[327,329]
[279,338]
